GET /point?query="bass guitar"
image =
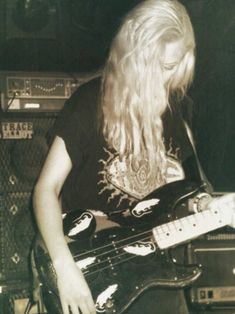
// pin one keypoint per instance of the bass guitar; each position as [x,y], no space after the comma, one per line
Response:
[127,253]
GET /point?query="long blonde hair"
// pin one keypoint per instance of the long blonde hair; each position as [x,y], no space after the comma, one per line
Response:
[134,95]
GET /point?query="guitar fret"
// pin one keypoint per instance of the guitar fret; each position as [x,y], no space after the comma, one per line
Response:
[188,227]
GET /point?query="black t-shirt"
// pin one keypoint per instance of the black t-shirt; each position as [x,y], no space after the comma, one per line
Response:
[99,179]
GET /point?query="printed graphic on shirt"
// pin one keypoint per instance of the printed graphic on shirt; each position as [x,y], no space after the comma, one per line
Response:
[130,179]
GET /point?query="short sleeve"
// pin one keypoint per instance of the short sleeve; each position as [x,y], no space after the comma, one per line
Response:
[76,122]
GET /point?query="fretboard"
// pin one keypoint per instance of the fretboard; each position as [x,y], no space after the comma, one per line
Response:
[190,227]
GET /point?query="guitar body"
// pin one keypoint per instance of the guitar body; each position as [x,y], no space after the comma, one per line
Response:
[121,260]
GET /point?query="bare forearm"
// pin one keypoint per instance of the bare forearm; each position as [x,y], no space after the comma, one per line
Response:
[73,290]
[48,216]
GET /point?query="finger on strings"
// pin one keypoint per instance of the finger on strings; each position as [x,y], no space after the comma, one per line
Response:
[91,307]
[65,308]
[74,308]
[86,309]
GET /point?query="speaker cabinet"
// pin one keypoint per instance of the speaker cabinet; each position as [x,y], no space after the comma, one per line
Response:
[23,146]
[31,20]
[215,289]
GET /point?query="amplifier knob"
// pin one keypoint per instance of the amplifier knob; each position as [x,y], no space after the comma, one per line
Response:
[109,303]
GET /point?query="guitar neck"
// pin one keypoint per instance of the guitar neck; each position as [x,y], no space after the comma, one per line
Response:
[190,227]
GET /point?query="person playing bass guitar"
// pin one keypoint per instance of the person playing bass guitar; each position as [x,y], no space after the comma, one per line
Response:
[120,158]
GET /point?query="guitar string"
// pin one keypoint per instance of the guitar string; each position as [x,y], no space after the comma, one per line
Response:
[86,271]
[121,261]
[121,241]
[111,265]
[109,260]
[168,224]
[87,274]
[111,244]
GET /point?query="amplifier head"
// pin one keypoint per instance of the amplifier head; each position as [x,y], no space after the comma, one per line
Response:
[38,91]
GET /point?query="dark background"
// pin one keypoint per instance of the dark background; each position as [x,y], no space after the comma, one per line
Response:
[74,36]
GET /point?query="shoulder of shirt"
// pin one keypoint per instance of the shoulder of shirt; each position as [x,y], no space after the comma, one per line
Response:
[84,101]
[86,95]
[81,108]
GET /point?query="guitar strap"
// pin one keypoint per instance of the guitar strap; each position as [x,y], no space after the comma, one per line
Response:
[206,184]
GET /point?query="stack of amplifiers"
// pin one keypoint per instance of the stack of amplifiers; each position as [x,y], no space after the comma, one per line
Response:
[30,103]
[215,288]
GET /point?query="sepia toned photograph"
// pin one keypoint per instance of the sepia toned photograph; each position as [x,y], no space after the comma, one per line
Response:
[117,157]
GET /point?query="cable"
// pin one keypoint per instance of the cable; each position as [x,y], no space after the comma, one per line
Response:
[11,101]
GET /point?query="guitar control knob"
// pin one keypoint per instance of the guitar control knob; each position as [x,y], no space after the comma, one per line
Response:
[109,303]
